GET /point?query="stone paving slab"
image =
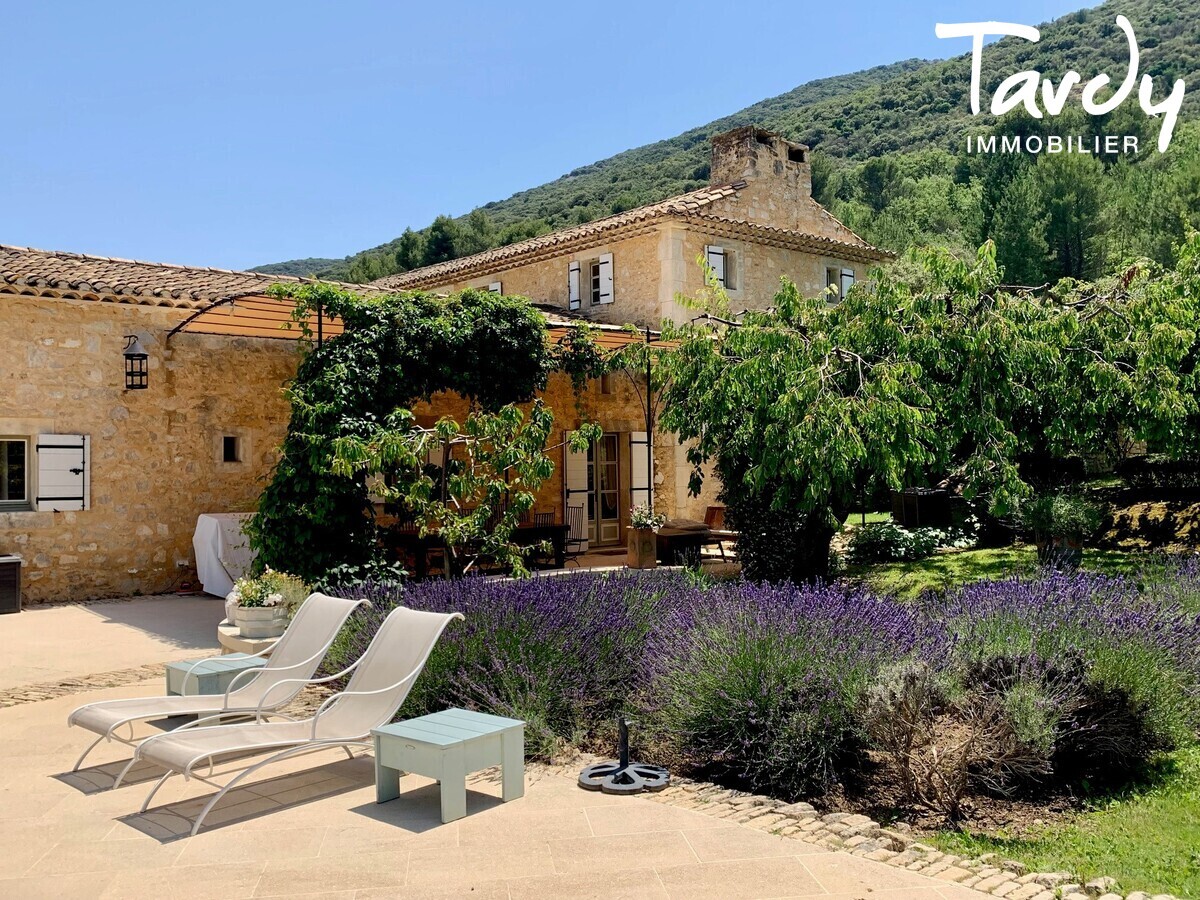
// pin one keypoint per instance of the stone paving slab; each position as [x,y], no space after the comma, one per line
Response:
[310,828]
[55,642]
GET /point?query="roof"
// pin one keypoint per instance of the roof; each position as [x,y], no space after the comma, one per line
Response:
[690,206]
[685,205]
[220,301]
[53,273]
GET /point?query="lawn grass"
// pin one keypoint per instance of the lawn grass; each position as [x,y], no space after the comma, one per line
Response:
[1148,838]
[942,571]
[872,518]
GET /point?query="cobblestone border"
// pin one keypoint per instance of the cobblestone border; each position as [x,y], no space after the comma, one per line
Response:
[895,846]
[49,690]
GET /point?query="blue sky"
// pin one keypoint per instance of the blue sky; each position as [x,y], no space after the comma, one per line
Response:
[234,134]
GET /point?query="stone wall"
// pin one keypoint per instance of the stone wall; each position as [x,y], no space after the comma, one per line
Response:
[778,191]
[619,411]
[653,268]
[156,455]
[156,460]
[753,270]
[636,269]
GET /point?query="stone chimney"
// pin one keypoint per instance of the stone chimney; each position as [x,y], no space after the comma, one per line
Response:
[751,154]
[778,182]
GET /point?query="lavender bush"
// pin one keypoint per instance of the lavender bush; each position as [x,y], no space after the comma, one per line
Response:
[1093,670]
[762,685]
[560,653]
[783,689]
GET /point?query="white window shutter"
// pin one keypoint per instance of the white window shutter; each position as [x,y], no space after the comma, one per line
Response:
[847,282]
[64,473]
[573,286]
[716,261]
[575,488]
[495,288]
[639,469]
[606,278]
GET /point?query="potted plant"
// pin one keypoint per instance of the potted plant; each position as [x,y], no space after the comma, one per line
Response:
[262,605]
[643,546]
[1059,525]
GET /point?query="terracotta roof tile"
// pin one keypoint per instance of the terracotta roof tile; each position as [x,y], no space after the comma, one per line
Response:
[24,270]
[684,205]
[692,205]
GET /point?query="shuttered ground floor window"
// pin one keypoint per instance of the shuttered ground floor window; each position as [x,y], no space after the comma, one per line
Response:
[14,474]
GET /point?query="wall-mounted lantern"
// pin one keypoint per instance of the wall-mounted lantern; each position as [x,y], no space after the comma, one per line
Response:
[137,370]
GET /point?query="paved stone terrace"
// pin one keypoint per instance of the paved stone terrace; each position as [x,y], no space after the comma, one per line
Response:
[57,642]
[311,828]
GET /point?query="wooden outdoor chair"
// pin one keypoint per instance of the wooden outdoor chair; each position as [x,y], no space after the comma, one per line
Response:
[576,533]
[718,535]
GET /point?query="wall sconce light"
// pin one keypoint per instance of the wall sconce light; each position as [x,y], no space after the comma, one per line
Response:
[137,372]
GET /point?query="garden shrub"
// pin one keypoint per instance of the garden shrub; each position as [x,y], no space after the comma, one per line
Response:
[888,541]
[395,350]
[1160,472]
[560,653]
[1119,670]
[999,686]
[762,686]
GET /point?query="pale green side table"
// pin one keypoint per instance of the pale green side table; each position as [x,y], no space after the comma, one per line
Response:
[447,746]
[212,676]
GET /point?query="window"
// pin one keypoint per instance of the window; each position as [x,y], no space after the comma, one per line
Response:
[231,449]
[724,264]
[592,279]
[838,282]
[495,288]
[14,474]
[606,383]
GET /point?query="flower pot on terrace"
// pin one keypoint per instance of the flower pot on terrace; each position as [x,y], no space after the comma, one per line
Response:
[260,621]
[643,548]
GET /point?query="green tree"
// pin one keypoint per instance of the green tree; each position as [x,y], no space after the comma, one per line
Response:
[1072,185]
[357,392]
[1019,230]
[930,371]
[442,241]
[410,250]
[486,478]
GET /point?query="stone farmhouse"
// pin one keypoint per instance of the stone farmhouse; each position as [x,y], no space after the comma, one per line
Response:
[101,485]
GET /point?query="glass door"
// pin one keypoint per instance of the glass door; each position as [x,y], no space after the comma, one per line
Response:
[604,491]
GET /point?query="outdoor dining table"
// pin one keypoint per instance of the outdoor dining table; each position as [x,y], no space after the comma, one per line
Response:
[681,545]
[525,535]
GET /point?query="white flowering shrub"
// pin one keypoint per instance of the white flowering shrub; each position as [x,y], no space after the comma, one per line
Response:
[270,589]
[643,517]
[887,541]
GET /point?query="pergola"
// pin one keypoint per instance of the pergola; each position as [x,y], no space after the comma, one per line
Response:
[264,316]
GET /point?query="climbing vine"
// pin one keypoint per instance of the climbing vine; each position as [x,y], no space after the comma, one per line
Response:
[351,420]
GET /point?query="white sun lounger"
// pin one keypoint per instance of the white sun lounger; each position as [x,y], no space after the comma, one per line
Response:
[382,679]
[262,691]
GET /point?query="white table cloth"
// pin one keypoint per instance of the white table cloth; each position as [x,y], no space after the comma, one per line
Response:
[223,552]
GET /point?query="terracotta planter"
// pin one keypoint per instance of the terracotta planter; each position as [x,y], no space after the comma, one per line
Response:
[643,548]
[260,621]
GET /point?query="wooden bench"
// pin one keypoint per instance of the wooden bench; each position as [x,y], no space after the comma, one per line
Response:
[447,746]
